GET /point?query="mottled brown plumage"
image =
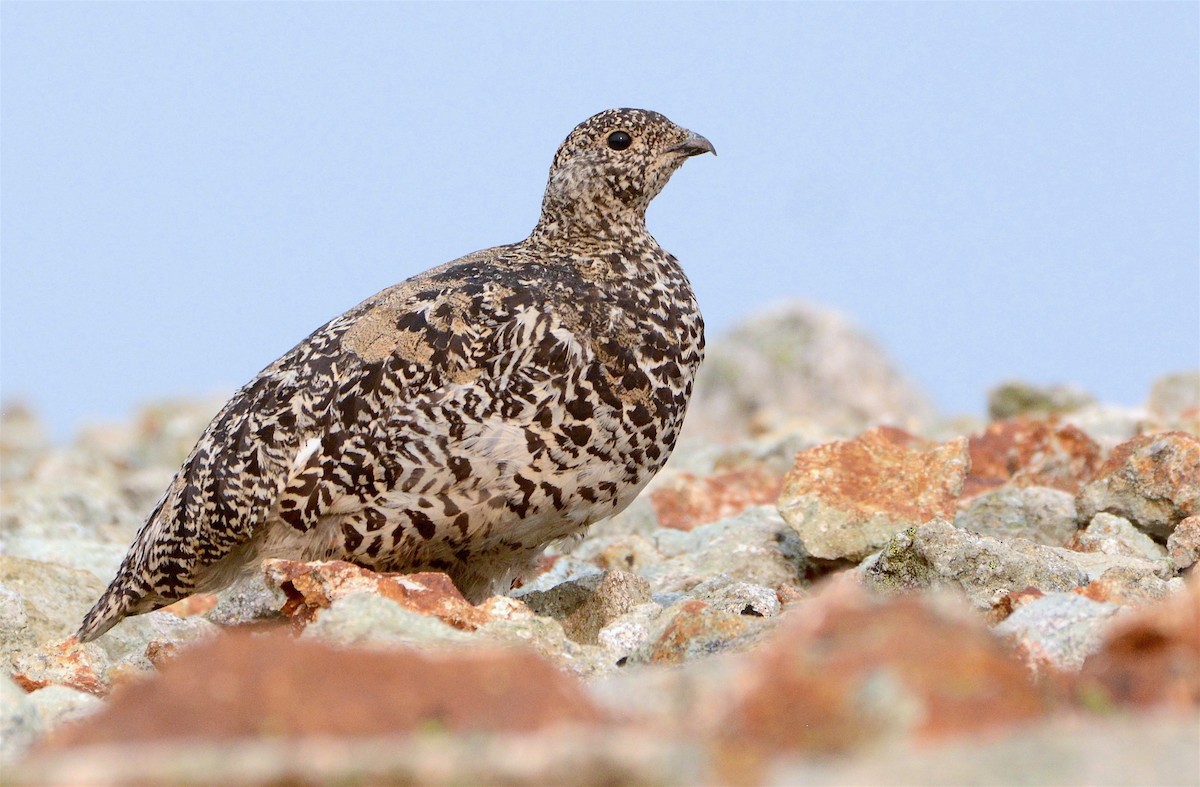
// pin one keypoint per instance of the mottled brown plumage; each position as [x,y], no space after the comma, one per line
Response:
[462,419]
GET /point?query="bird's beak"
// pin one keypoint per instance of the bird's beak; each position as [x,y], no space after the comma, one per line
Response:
[694,145]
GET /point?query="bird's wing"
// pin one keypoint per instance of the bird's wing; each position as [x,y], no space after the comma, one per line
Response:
[387,362]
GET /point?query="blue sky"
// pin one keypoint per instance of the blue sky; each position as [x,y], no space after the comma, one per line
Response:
[992,190]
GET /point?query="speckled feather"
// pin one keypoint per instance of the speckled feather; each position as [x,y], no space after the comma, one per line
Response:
[462,419]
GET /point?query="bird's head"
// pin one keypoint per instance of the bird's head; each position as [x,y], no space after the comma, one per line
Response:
[609,168]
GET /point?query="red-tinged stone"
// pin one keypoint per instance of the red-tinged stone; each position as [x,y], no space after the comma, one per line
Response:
[847,669]
[1183,545]
[1031,452]
[66,664]
[1150,657]
[1010,602]
[311,587]
[688,501]
[696,629]
[847,499]
[1152,480]
[240,686]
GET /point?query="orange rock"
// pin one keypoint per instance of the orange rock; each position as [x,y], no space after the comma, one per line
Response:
[66,664]
[1152,480]
[1030,453]
[689,501]
[311,587]
[1151,657]
[846,499]
[846,668]
[249,686]
[696,628]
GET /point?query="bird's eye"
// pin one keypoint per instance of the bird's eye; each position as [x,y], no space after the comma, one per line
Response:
[619,140]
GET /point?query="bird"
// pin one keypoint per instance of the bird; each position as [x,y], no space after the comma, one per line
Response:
[461,420]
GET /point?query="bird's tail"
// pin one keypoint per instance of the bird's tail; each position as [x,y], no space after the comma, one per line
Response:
[124,596]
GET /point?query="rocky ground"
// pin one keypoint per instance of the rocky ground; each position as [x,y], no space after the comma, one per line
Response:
[827,585]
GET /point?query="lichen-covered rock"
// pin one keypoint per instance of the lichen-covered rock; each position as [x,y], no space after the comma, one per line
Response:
[1151,480]
[797,366]
[1114,535]
[1057,630]
[846,499]
[1036,513]
[985,569]
[1026,452]
[1183,544]
[1011,399]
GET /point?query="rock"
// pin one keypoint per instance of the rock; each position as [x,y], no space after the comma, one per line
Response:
[1012,399]
[365,619]
[1025,452]
[57,705]
[585,606]
[738,598]
[20,723]
[40,604]
[1151,480]
[241,686]
[1183,544]
[692,629]
[1130,585]
[629,632]
[798,366]
[1150,657]
[1075,750]
[1114,535]
[1036,513]
[1057,630]
[1174,395]
[846,499]
[23,441]
[99,558]
[939,555]
[313,586]
[846,669]
[249,600]
[687,501]
[545,636]
[756,546]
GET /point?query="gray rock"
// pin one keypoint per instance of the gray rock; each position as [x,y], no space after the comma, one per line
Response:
[1061,628]
[546,636]
[370,620]
[20,723]
[1036,513]
[755,546]
[630,631]
[100,558]
[1114,535]
[985,569]
[739,598]
[57,705]
[40,604]
[1174,394]
[797,366]
[246,601]
[585,606]
[1097,564]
